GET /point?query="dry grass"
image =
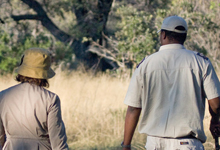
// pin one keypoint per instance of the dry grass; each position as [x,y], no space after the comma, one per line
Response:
[93,110]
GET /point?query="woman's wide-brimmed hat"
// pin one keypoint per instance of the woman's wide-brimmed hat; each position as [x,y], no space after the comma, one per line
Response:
[36,63]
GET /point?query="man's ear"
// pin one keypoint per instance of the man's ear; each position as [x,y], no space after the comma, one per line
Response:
[163,35]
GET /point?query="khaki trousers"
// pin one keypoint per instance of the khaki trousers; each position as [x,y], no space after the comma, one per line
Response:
[157,143]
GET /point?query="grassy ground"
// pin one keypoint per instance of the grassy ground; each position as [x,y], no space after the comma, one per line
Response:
[93,110]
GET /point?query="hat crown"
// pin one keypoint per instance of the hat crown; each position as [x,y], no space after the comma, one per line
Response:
[170,24]
[37,58]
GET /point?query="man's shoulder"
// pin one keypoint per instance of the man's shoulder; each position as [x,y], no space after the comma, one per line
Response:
[198,55]
[146,58]
[202,56]
[141,62]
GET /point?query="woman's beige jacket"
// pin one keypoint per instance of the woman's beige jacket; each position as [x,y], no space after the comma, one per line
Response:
[30,119]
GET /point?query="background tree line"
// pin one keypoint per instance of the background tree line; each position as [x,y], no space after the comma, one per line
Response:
[102,34]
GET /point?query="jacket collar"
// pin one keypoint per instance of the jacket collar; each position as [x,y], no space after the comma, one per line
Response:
[172,46]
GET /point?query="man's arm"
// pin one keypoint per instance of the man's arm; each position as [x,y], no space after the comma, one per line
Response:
[214,105]
[214,109]
[131,121]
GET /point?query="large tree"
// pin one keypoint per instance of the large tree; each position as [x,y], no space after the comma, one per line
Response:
[91,18]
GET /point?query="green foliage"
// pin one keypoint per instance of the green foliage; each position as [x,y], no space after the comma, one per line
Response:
[11,51]
[136,37]
[214,6]
[63,53]
[6,62]
[135,23]
[203,25]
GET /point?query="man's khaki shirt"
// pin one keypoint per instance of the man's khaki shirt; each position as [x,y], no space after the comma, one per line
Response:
[171,86]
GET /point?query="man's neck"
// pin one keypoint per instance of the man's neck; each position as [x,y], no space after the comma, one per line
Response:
[173,42]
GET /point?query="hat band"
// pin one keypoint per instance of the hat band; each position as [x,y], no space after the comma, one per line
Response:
[179,31]
[175,30]
[44,67]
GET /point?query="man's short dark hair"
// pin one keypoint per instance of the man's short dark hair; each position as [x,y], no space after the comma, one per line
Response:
[180,37]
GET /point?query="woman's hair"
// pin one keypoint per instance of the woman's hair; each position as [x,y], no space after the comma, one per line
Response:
[39,82]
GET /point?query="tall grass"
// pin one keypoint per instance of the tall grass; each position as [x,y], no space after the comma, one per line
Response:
[93,110]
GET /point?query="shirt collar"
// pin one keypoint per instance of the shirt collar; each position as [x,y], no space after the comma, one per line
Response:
[172,46]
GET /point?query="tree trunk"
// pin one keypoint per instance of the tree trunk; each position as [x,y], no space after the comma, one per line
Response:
[92,23]
[89,22]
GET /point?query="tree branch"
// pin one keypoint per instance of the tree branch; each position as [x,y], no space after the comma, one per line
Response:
[26,17]
[36,6]
[105,53]
[90,23]
[45,20]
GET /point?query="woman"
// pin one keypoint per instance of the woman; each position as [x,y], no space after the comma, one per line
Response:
[30,116]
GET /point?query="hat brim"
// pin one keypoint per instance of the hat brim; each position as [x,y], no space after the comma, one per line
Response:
[37,73]
[158,31]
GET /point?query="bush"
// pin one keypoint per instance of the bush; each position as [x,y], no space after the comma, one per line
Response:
[7,53]
[137,38]
[12,48]
[11,51]
[203,25]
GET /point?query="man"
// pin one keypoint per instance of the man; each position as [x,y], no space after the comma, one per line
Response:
[169,87]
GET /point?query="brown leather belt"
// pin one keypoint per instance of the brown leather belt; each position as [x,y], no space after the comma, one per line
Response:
[183,137]
[187,137]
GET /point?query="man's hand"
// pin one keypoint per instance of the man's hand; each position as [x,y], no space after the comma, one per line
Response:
[214,105]
[215,127]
